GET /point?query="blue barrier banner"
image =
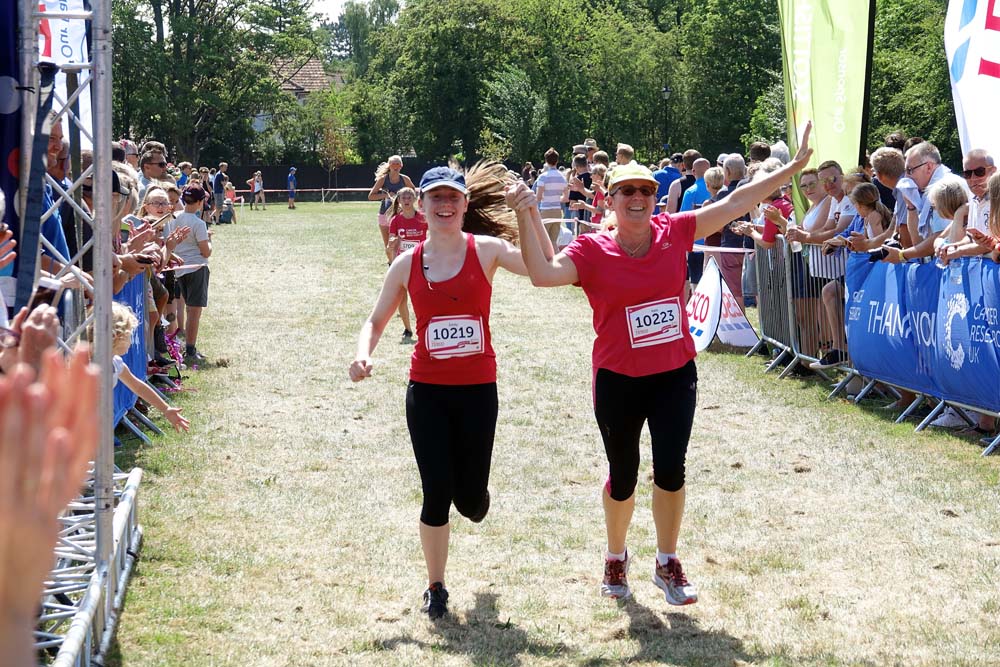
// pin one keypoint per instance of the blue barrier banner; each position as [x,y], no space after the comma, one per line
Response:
[132,295]
[10,122]
[967,368]
[890,312]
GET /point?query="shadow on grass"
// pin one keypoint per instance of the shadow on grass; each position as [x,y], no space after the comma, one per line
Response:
[677,639]
[484,638]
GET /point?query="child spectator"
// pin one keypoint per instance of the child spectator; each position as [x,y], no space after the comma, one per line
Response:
[194,250]
[123,324]
[407,228]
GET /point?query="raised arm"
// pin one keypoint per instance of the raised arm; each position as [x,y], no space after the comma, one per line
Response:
[710,219]
[545,269]
[385,306]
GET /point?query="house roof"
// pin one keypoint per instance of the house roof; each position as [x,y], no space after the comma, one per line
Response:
[303,77]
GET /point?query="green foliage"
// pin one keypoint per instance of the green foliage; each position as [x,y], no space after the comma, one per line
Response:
[911,87]
[514,114]
[730,50]
[769,120]
[195,78]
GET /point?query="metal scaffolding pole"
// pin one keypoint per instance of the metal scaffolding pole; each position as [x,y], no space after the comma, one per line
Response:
[100,534]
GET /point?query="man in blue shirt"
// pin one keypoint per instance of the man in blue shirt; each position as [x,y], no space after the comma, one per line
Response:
[666,175]
[291,187]
[694,197]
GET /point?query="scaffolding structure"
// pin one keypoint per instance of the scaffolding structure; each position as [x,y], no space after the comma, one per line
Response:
[99,532]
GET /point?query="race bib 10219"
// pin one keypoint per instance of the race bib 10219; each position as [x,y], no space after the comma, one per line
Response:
[450,336]
[655,322]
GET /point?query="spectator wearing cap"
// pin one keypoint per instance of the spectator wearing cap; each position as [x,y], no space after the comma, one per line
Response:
[580,185]
[291,187]
[591,145]
[720,161]
[193,280]
[665,175]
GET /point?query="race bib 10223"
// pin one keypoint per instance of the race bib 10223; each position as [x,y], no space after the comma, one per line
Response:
[450,336]
[655,322]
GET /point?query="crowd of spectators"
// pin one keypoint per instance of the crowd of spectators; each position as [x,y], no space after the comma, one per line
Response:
[902,204]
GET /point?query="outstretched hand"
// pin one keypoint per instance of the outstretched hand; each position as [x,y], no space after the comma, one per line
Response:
[805,152]
[48,433]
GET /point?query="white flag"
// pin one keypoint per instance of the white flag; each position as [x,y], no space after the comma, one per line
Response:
[64,41]
[972,42]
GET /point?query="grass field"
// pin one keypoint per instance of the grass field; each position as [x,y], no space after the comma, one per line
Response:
[282,531]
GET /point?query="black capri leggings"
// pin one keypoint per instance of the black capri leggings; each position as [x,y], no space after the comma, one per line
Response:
[452,428]
[622,404]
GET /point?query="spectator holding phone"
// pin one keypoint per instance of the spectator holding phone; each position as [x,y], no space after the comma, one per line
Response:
[193,278]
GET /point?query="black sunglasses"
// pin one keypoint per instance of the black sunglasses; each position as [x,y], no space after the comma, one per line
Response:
[978,171]
[629,190]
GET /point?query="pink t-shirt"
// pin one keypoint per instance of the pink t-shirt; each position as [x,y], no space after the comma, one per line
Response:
[638,302]
[771,229]
[410,231]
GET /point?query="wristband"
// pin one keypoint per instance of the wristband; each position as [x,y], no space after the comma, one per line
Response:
[902,255]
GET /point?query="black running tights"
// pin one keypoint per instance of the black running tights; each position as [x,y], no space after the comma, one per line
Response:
[452,428]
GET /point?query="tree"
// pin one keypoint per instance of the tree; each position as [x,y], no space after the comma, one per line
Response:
[730,49]
[513,112]
[911,86]
[207,71]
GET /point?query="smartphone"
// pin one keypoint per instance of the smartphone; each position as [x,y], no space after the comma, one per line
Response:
[47,293]
[159,221]
[133,220]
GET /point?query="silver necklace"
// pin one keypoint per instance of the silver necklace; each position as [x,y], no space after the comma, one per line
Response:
[629,251]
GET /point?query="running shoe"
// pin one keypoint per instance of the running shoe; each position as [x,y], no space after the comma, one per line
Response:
[949,418]
[615,583]
[407,334]
[671,580]
[831,359]
[435,600]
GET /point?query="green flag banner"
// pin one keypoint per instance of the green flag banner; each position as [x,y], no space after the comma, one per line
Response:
[825,46]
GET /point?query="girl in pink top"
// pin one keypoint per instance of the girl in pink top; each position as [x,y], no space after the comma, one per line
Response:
[643,362]
[407,228]
[451,398]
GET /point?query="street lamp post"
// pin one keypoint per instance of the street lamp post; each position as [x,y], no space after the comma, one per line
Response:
[665,94]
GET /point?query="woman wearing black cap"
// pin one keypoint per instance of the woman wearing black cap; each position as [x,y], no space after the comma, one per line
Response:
[451,398]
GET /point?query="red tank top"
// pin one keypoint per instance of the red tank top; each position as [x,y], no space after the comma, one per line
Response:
[453,323]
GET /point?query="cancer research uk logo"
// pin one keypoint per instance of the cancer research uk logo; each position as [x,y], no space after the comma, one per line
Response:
[964,32]
[958,304]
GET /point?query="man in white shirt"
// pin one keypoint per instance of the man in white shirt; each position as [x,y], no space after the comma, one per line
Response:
[924,168]
[550,188]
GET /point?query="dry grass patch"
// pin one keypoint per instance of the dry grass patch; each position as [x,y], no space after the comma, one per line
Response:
[282,530]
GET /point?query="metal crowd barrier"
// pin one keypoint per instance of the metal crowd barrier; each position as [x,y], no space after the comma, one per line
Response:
[794,319]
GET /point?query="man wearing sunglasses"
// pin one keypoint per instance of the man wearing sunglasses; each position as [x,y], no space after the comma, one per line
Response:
[924,169]
[153,166]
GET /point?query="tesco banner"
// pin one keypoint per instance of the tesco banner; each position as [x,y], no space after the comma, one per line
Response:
[712,310]
[933,330]
[972,43]
[64,42]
